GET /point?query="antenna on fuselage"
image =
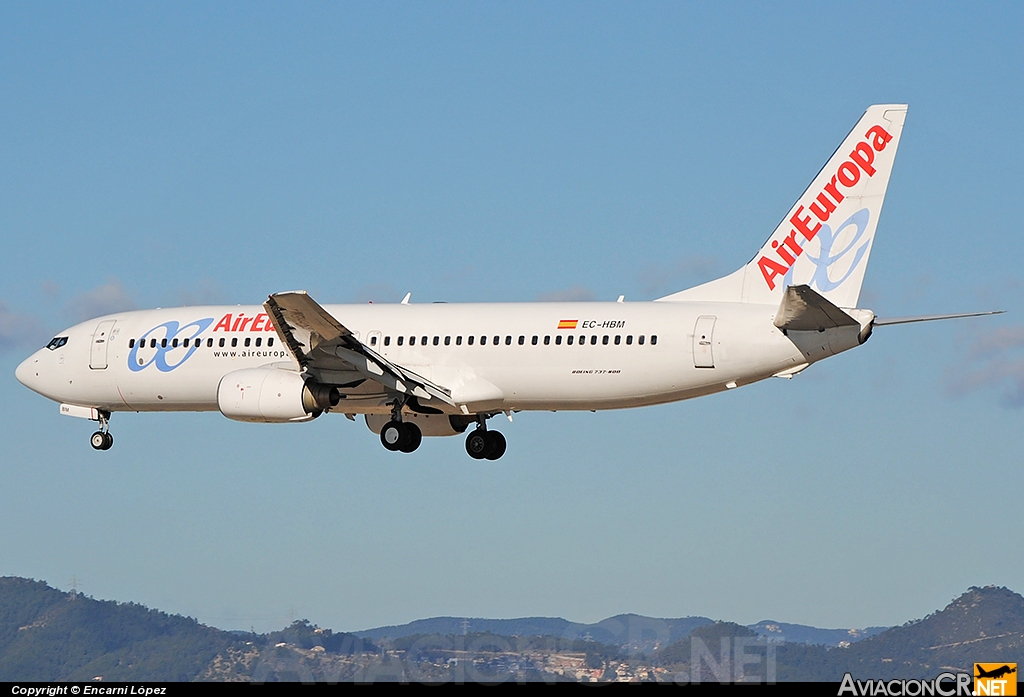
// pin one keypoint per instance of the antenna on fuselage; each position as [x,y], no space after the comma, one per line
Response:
[405,300]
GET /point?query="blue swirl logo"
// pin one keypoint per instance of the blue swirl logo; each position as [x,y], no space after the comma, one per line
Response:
[826,257]
[164,355]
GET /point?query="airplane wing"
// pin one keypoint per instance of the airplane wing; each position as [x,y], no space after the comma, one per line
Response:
[327,349]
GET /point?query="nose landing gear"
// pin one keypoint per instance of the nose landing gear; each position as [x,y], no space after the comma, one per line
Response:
[102,440]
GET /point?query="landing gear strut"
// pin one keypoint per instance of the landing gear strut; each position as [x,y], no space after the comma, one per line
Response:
[482,444]
[398,435]
[102,440]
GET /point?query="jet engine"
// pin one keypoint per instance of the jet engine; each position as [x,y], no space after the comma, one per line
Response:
[270,395]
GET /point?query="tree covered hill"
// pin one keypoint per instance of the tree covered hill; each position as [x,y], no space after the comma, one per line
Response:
[984,625]
[46,635]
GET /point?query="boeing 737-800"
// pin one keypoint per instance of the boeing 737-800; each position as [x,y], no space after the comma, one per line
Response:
[417,370]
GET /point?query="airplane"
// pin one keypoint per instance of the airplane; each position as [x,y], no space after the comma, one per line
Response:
[995,673]
[435,369]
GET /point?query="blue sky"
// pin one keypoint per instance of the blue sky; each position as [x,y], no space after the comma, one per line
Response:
[161,154]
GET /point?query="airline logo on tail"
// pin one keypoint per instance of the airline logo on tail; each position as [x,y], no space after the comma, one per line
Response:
[847,176]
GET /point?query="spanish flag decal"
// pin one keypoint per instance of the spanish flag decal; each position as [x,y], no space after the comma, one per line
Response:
[567,323]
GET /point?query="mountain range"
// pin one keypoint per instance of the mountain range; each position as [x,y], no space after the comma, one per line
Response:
[47,634]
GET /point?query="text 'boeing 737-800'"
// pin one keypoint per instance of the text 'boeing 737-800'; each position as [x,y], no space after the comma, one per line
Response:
[415,370]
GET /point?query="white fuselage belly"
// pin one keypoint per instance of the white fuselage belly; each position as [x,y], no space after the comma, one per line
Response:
[746,347]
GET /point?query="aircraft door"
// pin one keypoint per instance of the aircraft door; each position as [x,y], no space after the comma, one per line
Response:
[100,342]
[373,341]
[703,338]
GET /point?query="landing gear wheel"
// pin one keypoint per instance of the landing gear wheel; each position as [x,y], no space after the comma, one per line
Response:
[101,440]
[394,435]
[497,443]
[479,444]
[413,435]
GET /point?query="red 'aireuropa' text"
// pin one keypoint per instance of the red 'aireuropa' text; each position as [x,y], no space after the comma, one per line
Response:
[847,175]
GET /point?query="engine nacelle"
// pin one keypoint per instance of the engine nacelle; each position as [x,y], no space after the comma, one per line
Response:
[270,395]
[429,424]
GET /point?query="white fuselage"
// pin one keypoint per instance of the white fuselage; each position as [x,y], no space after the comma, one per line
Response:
[620,355]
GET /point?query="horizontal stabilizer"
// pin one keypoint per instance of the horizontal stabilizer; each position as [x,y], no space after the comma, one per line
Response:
[802,309]
[879,322]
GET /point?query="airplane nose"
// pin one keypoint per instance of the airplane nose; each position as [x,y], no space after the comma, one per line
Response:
[27,372]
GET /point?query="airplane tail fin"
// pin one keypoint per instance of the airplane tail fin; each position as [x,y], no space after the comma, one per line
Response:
[825,239]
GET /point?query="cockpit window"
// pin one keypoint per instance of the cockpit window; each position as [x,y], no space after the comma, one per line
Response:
[57,342]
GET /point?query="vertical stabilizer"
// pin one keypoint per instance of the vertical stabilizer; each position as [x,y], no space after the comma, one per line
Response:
[825,239]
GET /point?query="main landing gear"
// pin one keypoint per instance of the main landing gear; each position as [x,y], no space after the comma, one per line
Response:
[401,435]
[482,444]
[102,440]
[398,435]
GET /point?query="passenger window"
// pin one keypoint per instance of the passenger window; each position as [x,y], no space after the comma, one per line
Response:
[568,340]
[209,342]
[423,341]
[458,341]
[604,340]
[447,341]
[185,343]
[387,341]
[437,340]
[618,339]
[401,340]
[558,340]
[483,341]
[508,340]
[163,342]
[534,340]
[640,340]
[174,343]
[373,341]
[270,341]
[497,340]
[259,342]
[629,340]
[547,340]
[248,340]
[234,341]
[412,341]
[654,339]
[469,339]
[522,340]
[221,344]
[131,343]
[593,340]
